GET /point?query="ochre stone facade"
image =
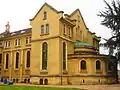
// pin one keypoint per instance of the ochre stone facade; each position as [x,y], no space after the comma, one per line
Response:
[58,49]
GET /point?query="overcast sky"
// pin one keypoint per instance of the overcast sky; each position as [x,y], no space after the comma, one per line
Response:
[18,13]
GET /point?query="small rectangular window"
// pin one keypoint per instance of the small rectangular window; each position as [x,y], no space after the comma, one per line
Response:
[7,43]
[0,58]
[64,29]
[47,28]
[27,40]
[42,29]
[0,43]
[18,41]
[69,31]
[44,15]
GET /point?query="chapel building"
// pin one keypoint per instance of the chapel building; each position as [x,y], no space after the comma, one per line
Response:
[57,49]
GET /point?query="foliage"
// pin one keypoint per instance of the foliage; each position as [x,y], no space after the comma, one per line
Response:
[111,16]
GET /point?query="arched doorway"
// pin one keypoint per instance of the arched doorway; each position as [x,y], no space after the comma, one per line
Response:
[46,82]
[41,81]
[25,80]
[28,80]
[17,80]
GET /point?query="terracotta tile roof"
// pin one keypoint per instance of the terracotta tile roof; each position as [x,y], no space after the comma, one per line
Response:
[20,32]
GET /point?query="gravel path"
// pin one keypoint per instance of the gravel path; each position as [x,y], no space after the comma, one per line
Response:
[87,87]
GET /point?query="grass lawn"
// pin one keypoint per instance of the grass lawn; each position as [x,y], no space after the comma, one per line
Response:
[12,87]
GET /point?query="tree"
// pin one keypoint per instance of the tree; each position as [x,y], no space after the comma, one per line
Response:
[111,16]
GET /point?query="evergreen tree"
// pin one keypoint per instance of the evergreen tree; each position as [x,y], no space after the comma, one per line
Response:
[111,16]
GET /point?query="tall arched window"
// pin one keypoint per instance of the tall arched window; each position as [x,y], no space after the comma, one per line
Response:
[17,60]
[28,59]
[6,65]
[83,65]
[98,65]
[44,56]
[64,56]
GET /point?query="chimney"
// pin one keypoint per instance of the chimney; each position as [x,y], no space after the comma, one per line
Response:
[7,27]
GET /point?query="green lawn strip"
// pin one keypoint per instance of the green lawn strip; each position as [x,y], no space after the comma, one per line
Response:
[7,87]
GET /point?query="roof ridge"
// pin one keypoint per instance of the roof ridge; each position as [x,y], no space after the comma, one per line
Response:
[21,30]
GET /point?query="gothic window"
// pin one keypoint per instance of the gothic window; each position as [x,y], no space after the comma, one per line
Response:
[6,65]
[28,59]
[44,56]
[17,60]
[64,56]
[83,65]
[98,65]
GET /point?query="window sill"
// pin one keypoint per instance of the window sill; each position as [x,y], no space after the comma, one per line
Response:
[83,71]
[7,47]
[44,34]
[65,34]
[65,72]
[28,44]
[27,68]
[44,18]
[17,46]
[16,69]
[44,72]
[109,71]
[5,69]
[98,71]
